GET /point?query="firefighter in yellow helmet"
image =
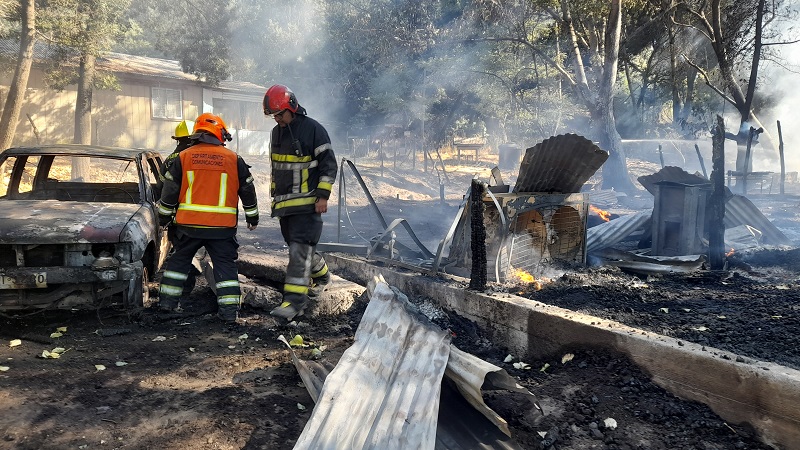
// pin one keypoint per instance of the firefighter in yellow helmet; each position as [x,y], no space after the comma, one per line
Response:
[185,138]
[201,195]
[184,135]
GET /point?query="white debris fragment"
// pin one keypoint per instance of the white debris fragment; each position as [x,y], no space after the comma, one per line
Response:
[159,339]
[610,423]
[431,311]
[301,407]
[567,358]
[508,359]
[15,343]
[521,365]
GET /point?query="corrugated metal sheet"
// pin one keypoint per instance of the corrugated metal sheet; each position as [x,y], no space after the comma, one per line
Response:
[384,392]
[559,164]
[649,265]
[739,210]
[615,231]
[390,389]
[671,173]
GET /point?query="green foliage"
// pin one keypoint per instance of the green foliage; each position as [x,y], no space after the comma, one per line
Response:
[79,27]
[197,34]
[502,67]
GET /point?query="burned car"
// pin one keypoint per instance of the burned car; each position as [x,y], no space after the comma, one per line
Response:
[79,228]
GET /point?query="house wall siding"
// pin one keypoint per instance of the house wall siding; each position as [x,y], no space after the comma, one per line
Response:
[119,118]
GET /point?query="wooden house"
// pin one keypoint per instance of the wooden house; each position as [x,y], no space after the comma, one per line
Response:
[154,96]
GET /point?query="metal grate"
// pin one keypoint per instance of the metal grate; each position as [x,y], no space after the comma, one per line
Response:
[538,237]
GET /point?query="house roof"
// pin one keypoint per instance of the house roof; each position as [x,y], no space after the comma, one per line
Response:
[165,68]
[134,65]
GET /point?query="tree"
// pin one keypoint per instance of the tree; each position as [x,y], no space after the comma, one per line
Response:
[16,93]
[197,34]
[736,32]
[80,30]
[588,66]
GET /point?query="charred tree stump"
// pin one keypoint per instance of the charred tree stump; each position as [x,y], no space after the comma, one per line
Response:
[478,274]
[716,202]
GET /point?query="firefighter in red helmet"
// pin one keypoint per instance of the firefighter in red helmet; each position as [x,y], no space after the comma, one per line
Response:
[303,172]
[201,195]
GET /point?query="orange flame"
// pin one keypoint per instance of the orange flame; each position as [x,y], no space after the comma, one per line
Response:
[527,278]
[730,253]
[605,215]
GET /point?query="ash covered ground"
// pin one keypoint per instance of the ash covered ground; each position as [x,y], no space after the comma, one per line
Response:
[192,382]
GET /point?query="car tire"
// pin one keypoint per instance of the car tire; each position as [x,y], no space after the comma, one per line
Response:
[137,296]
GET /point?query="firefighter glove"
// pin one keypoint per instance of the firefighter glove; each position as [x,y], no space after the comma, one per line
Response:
[164,220]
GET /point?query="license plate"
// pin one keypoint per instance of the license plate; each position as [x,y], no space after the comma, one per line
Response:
[35,280]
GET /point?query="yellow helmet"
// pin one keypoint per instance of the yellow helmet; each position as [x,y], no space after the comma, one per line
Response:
[183,129]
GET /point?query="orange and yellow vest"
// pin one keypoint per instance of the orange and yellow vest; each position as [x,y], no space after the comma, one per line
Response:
[209,189]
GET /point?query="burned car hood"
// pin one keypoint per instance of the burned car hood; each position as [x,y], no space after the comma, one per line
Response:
[52,221]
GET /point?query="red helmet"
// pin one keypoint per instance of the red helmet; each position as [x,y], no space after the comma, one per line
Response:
[279,98]
[212,124]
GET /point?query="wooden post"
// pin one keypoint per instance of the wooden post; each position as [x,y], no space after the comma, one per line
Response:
[702,163]
[478,274]
[441,163]
[716,202]
[380,155]
[780,152]
[660,156]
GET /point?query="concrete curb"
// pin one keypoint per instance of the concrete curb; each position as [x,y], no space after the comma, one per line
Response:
[738,389]
[338,298]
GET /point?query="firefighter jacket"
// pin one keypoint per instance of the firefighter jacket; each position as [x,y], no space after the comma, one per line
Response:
[202,189]
[303,166]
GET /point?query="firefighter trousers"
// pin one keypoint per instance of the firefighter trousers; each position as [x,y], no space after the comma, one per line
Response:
[301,233]
[223,253]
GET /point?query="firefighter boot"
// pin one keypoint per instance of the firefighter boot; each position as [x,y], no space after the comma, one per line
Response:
[228,313]
[320,276]
[319,285]
[293,306]
[168,303]
[228,307]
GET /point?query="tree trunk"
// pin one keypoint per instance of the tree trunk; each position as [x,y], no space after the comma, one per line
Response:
[16,93]
[615,169]
[83,104]
[673,76]
[691,77]
[601,104]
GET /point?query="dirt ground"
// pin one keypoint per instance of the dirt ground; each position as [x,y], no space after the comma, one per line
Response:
[190,382]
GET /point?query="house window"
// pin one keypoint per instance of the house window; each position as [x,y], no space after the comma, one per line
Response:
[167,103]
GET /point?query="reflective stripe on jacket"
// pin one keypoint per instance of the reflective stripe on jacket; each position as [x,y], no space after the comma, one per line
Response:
[209,191]
[303,166]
